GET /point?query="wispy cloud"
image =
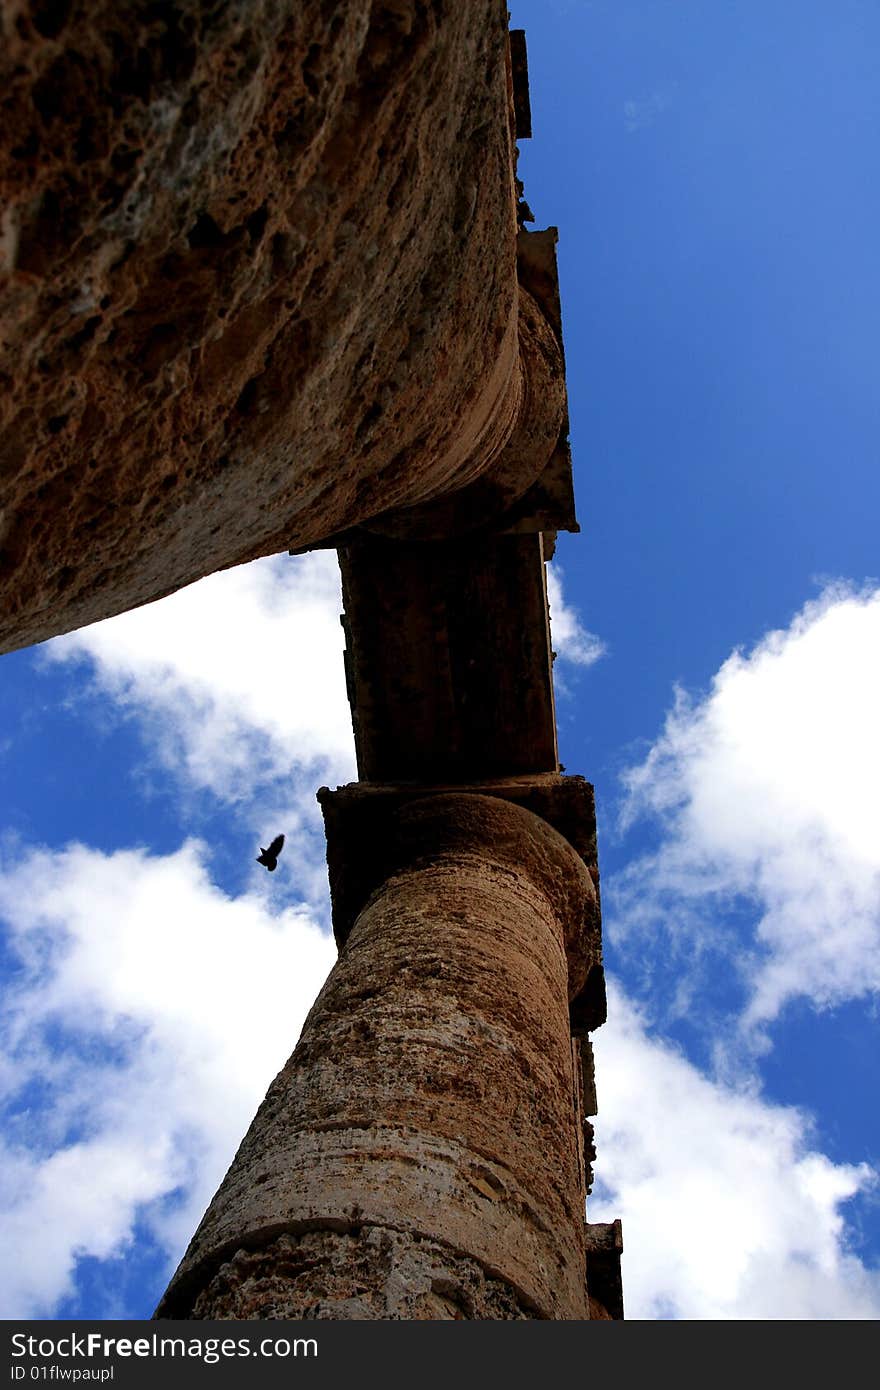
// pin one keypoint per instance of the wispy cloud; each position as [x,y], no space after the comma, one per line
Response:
[641,112]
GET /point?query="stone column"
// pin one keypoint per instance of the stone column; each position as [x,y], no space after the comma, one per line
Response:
[418,1156]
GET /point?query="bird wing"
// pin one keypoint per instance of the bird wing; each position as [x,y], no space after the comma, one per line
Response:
[275,847]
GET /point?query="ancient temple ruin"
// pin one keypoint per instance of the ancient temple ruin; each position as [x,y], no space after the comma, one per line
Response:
[267,287]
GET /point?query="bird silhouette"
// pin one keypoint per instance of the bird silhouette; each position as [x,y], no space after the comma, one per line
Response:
[269,856]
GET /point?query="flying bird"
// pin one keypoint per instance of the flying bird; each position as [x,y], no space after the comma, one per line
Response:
[269,856]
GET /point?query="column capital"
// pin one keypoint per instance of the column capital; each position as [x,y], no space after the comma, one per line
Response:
[545,824]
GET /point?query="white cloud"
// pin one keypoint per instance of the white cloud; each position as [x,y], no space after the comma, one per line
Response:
[728,1211]
[149,1016]
[765,791]
[571,641]
[239,678]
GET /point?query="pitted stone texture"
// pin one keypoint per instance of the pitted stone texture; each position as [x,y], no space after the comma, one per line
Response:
[432,1090]
[258,283]
[374,1274]
[452,828]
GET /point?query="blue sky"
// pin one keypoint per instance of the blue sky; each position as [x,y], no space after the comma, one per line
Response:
[711,169]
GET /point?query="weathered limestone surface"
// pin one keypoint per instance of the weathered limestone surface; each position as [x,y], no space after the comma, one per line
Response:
[368,1273]
[257,284]
[418,1156]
